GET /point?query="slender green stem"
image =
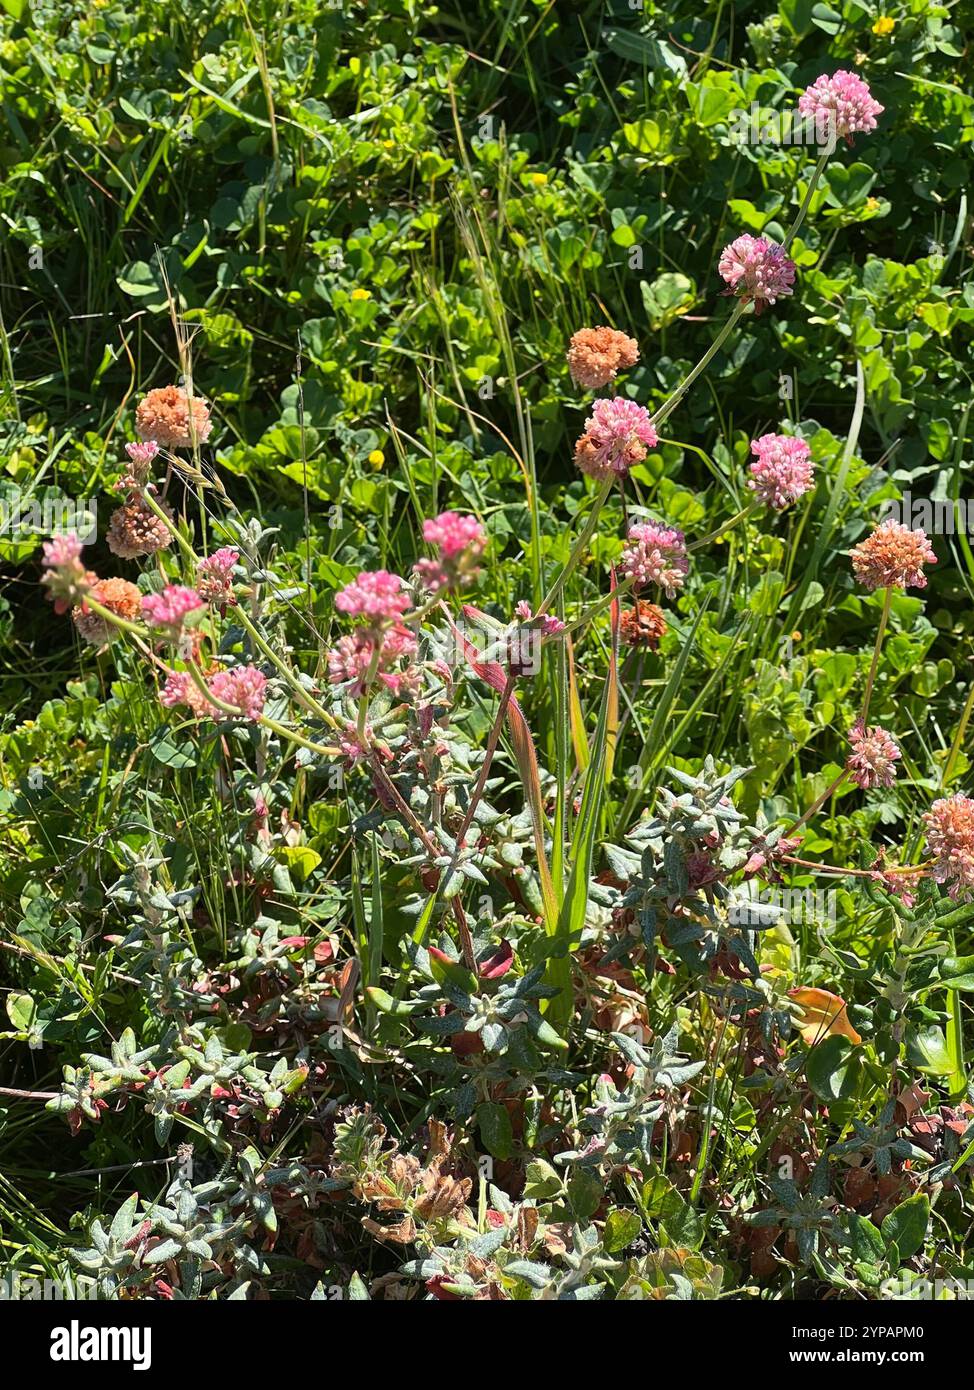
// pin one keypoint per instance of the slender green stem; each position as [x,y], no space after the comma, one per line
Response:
[817,804]
[199,680]
[600,605]
[246,622]
[363,704]
[874,666]
[807,201]
[180,539]
[432,849]
[418,614]
[493,739]
[843,870]
[907,937]
[122,624]
[292,737]
[752,506]
[281,666]
[670,405]
[578,549]
[955,747]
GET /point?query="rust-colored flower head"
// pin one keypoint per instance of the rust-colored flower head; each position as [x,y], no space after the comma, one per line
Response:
[119,597]
[893,556]
[163,416]
[643,625]
[595,355]
[135,530]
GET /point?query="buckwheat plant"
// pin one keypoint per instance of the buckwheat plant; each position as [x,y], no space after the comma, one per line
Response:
[491,988]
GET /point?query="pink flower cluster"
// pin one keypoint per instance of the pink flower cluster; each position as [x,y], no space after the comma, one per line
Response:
[380,642]
[460,541]
[841,105]
[756,268]
[617,436]
[181,689]
[872,761]
[65,577]
[140,455]
[655,554]
[949,825]
[350,661]
[376,595]
[167,611]
[550,626]
[453,534]
[243,686]
[62,551]
[783,470]
[142,452]
[214,577]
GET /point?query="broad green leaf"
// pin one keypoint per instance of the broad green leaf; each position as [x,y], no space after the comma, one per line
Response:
[621,1229]
[831,1069]
[301,860]
[495,1129]
[905,1228]
[21,1010]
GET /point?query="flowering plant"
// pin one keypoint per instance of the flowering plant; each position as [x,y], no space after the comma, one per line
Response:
[503,826]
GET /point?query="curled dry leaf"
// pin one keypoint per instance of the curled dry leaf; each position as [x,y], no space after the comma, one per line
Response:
[823,1015]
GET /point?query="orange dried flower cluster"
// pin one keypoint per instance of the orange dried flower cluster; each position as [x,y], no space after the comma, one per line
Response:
[135,530]
[643,625]
[164,417]
[893,556]
[119,597]
[595,355]
[421,1194]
